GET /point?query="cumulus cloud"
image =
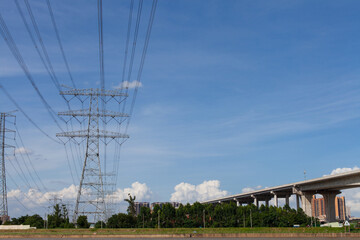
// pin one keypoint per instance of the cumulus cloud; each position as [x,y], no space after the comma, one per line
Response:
[34,196]
[251,189]
[22,150]
[343,170]
[140,190]
[127,84]
[186,192]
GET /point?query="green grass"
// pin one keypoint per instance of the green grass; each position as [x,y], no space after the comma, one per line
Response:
[146,231]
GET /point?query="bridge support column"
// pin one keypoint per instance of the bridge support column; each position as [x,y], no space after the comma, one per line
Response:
[329,200]
[237,202]
[267,202]
[276,201]
[297,201]
[256,201]
[306,198]
[287,202]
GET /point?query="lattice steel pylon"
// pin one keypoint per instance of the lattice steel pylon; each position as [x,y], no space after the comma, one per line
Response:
[91,195]
[4,214]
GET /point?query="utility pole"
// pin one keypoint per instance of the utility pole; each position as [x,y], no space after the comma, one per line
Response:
[159,219]
[204,217]
[91,194]
[250,219]
[4,214]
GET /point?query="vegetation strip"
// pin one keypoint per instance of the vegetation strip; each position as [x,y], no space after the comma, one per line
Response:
[226,235]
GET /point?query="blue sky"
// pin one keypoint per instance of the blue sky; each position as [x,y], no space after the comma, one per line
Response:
[248,93]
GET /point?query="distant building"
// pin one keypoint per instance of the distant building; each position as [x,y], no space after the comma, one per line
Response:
[318,208]
[348,213]
[139,205]
[174,204]
[340,208]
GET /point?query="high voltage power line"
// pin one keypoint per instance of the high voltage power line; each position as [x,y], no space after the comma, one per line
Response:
[127,72]
[59,41]
[4,31]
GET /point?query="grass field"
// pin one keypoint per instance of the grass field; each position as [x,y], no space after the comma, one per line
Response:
[147,231]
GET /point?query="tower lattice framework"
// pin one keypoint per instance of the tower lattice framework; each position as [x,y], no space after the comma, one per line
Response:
[91,193]
[4,214]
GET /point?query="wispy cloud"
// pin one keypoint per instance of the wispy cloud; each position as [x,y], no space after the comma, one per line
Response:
[130,85]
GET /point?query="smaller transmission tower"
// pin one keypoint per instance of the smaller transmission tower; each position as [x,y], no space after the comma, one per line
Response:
[91,194]
[4,215]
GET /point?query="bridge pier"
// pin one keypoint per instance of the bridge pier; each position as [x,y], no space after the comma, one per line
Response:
[329,200]
[297,201]
[237,202]
[306,198]
[276,201]
[256,201]
[287,200]
[267,202]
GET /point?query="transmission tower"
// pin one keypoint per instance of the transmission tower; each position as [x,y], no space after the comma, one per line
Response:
[4,215]
[91,194]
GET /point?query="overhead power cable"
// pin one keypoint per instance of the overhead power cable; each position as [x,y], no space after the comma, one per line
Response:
[48,64]
[146,43]
[27,168]
[26,115]
[51,74]
[59,41]
[129,72]
[28,157]
[101,44]
[127,42]
[38,35]
[31,200]
[22,176]
[116,150]
[4,31]
[133,50]
[143,56]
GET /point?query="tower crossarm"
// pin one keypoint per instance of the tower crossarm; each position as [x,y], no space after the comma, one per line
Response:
[94,92]
[86,134]
[100,113]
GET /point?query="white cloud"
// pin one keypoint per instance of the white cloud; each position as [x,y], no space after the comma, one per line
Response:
[127,84]
[34,199]
[34,196]
[343,170]
[186,192]
[251,189]
[22,150]
[140,190]
[14,193]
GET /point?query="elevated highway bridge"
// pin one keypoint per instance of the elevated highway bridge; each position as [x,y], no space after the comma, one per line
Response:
[328,186]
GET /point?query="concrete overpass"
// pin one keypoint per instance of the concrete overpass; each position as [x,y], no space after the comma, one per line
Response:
[328,186]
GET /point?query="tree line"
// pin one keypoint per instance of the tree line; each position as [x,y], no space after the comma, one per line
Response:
[185,216]
[208,215]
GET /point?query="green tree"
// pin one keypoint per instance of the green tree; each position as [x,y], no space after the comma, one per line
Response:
[59,218]
[121,220]
[144,218]
[131,208]
[100,224]
[82,222]
[35,221]
[167,216]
